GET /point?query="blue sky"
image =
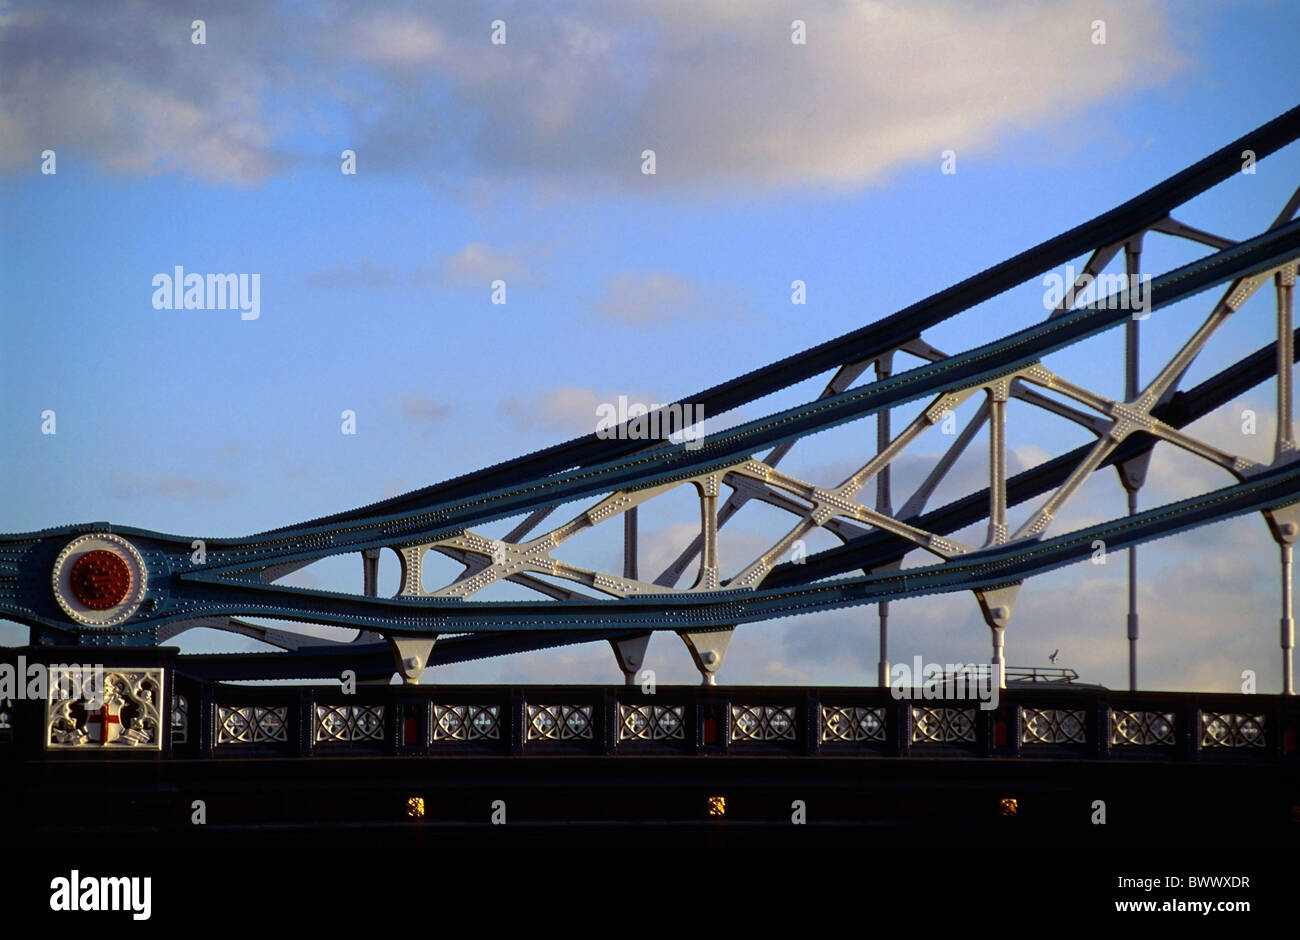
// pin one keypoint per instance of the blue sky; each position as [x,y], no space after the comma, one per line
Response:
[522,162]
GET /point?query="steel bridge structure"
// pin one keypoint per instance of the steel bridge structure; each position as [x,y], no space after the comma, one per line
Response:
[119,595]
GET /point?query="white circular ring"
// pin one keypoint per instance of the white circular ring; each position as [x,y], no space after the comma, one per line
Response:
[61,578]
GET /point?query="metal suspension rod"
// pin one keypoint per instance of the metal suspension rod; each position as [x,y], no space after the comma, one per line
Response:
[1288,622]
[1284,445]
[1132,257]
[997,533]
[1284,281]
[884,366]
[1132,603]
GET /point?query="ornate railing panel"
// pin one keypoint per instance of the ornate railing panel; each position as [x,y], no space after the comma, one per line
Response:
[466,722]
[1141,728]
[652,723]
[943,725]
[349,723]
[559,722]
[1053,726]
[762,723]
[252,724]
[849,724]
[1231,729]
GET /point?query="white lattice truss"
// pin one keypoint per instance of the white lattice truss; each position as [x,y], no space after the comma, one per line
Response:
[839,509]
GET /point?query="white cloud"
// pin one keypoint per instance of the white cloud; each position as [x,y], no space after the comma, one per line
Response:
[364,273]
[127,87]
[395,39]
[169,486]
[423,408]
[1026,457]
[656,298]
[478,263]
[568,408]
[721,94]
[715,88]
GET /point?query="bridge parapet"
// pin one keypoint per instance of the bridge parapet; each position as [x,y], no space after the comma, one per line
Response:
[154,710]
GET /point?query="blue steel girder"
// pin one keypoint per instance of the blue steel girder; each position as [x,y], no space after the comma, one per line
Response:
[230,583]
[234,578]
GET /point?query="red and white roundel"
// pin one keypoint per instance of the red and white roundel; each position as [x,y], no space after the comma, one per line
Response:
[99,579]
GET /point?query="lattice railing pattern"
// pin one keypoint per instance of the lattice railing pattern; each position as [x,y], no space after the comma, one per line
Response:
[851,724]
[762,722]
[943,725]
[560,723]
[1231,729]
[252,724]
[349,723]
[1053,726]
[466,722]
[651,722]
[1143,728]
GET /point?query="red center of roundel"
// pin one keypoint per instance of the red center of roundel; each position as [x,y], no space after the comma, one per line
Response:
[100,579]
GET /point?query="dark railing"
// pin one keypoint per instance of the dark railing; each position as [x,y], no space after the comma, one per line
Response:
[203,719]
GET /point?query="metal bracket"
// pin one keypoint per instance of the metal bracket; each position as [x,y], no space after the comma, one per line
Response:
[1284,523]
[412,655]
[707,649]
[1133,472]
[630,653]
[997,605]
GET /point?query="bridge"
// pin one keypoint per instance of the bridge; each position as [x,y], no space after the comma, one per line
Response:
[329,750]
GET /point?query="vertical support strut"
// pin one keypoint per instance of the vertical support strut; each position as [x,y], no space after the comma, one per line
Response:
[1132,481]
[998,395]
[629,544]
[1285,529]
[1284,281]
[370,563]
[884,367]
[997,605]
[709,531]
[1132,603]
[1285,526]
[630,651]
[1288,622]
[708,647]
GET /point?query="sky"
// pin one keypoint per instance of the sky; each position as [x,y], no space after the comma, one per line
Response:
[523,162]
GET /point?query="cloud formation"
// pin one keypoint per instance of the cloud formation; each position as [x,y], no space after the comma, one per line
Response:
[474,265]
[422,408]
[169,486]
[478,263]
[568,408]
[653,299]
[578,91]
[126,87]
